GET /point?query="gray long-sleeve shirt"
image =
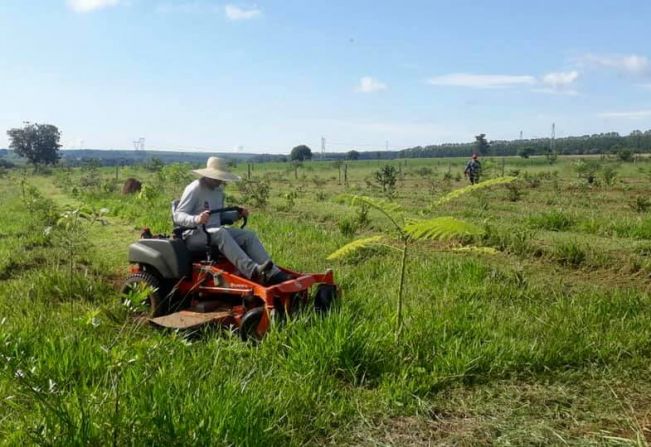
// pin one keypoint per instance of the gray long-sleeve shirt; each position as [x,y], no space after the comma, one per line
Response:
[196,199]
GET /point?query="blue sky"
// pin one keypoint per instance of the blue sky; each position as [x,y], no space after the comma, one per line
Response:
[264,77]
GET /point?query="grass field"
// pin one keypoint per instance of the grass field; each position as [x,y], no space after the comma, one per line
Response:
[539,335]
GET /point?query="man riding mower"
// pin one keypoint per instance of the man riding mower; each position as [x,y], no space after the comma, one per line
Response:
[209,273]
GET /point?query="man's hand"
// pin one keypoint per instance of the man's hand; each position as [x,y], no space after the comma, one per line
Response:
[202,218]
[244,212]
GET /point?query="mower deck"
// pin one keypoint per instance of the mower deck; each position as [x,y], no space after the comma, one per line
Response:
[189,319]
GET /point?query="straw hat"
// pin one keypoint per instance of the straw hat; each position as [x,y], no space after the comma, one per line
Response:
[217,168]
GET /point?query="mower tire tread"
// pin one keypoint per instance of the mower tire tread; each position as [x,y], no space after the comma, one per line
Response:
[156,305]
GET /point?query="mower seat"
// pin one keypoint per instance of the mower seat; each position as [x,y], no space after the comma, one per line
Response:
[194,254]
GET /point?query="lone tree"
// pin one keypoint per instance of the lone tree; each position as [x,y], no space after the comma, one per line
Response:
[301,153]
[481,145]
[525,152]
[352,155]
[39,143]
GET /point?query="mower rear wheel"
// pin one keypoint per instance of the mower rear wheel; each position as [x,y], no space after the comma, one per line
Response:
[252,326]
[154,302]
[325,297]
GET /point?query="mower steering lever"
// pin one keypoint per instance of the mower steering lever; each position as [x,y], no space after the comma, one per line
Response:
[230,208]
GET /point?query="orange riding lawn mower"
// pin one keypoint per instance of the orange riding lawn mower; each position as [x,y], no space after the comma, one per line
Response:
[189,289]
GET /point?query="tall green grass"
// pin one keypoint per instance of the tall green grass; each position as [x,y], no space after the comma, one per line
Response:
[77,369]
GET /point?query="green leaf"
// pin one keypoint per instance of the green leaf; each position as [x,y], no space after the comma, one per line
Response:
[441,228]
[482,185]
[353,247]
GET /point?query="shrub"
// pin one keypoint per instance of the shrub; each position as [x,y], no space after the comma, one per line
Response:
[587,169]
[513,192]
[609,173]
[625,155]
[254,192]
[387,177]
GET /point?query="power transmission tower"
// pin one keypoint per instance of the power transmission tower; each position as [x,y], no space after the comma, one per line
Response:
[139,144]
[520,134]
[323,148]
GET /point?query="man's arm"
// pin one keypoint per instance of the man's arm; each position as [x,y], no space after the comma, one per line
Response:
[184,215]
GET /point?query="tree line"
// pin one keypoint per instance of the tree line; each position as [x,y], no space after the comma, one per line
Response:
[610,142]
[39,144]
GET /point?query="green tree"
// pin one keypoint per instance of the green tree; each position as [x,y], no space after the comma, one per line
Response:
[352,155]
[525,152]
[387,178]
[481,145]
[301,153]
[38,143]
[625,154]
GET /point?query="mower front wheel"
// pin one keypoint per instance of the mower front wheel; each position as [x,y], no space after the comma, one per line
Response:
[137,282]
[324,298]
[254,324]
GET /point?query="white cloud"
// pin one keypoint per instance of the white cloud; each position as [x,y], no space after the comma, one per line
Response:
[555,82]
[236,13]
[560,80]
[559,83]
[631,114]
[369,85]
[90,5]
[631,64]
[481,81]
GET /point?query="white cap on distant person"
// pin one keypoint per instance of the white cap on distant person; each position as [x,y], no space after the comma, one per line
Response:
[217,168]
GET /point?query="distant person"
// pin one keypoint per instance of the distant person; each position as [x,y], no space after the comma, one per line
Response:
[473,169]
[241,247]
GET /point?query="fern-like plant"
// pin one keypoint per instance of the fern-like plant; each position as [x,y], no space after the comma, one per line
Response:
[407,230]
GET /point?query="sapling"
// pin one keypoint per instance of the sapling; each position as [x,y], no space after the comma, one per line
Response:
[405,231]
